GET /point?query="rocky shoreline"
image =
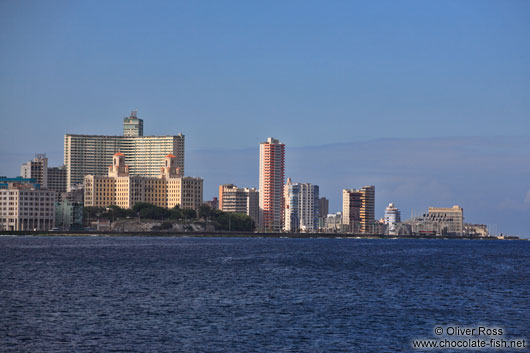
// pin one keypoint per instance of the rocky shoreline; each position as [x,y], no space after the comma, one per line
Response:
[213,234]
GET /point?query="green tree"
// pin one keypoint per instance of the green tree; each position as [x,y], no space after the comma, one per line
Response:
[233,221]
[206,212]
[176,213]
[93,212]
[154,212]
[141,205]
[189,214]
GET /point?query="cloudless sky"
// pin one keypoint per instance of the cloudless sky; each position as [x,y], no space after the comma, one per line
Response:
[228,74]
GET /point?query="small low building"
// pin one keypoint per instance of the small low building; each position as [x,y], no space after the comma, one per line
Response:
[68,215]
[480,230]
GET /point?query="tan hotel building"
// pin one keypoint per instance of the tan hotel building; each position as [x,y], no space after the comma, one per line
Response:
[167,190]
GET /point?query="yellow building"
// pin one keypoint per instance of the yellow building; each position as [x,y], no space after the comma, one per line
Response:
[119,188]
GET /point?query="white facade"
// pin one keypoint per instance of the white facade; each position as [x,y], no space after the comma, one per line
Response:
[301,207]
[27,208]
[392,217]
[334,222]
[92,154]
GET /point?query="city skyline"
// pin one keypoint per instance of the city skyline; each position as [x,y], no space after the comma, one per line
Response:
[424,193]
[428,100]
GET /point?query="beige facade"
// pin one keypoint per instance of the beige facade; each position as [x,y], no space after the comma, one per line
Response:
[476,229]
[25,207]
[239,200]
[92,154]
[358,209]
[36,169]
[452,218]
[119,188]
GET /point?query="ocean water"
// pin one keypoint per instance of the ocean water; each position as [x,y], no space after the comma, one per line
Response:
[143,294]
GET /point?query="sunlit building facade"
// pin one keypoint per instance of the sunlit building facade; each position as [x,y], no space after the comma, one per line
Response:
[271,180]
[92,154]
[358,209]
[392,218]
[24,206]
[301,207]
[119,188]
[239,200]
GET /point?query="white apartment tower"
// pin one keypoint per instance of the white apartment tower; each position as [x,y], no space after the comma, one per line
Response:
[392,217]
[301,207]
[92,154]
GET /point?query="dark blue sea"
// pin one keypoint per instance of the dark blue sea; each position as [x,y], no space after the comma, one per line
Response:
[147,294]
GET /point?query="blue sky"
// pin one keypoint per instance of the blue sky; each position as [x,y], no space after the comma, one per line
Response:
[228,74]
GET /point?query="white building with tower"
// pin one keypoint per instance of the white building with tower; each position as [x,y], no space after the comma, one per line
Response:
[92,154]
[392,217]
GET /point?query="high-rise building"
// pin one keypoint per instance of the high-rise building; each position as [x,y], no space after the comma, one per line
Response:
[119,188]
[53,178]
[358,209]
[239,200]
[392,214]
[92,154]
[57,179]
[271,179]
[301,207]
[132,126]
[36,169]
[323,207]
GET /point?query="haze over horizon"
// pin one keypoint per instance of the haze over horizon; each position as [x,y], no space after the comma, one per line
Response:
[428,101]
